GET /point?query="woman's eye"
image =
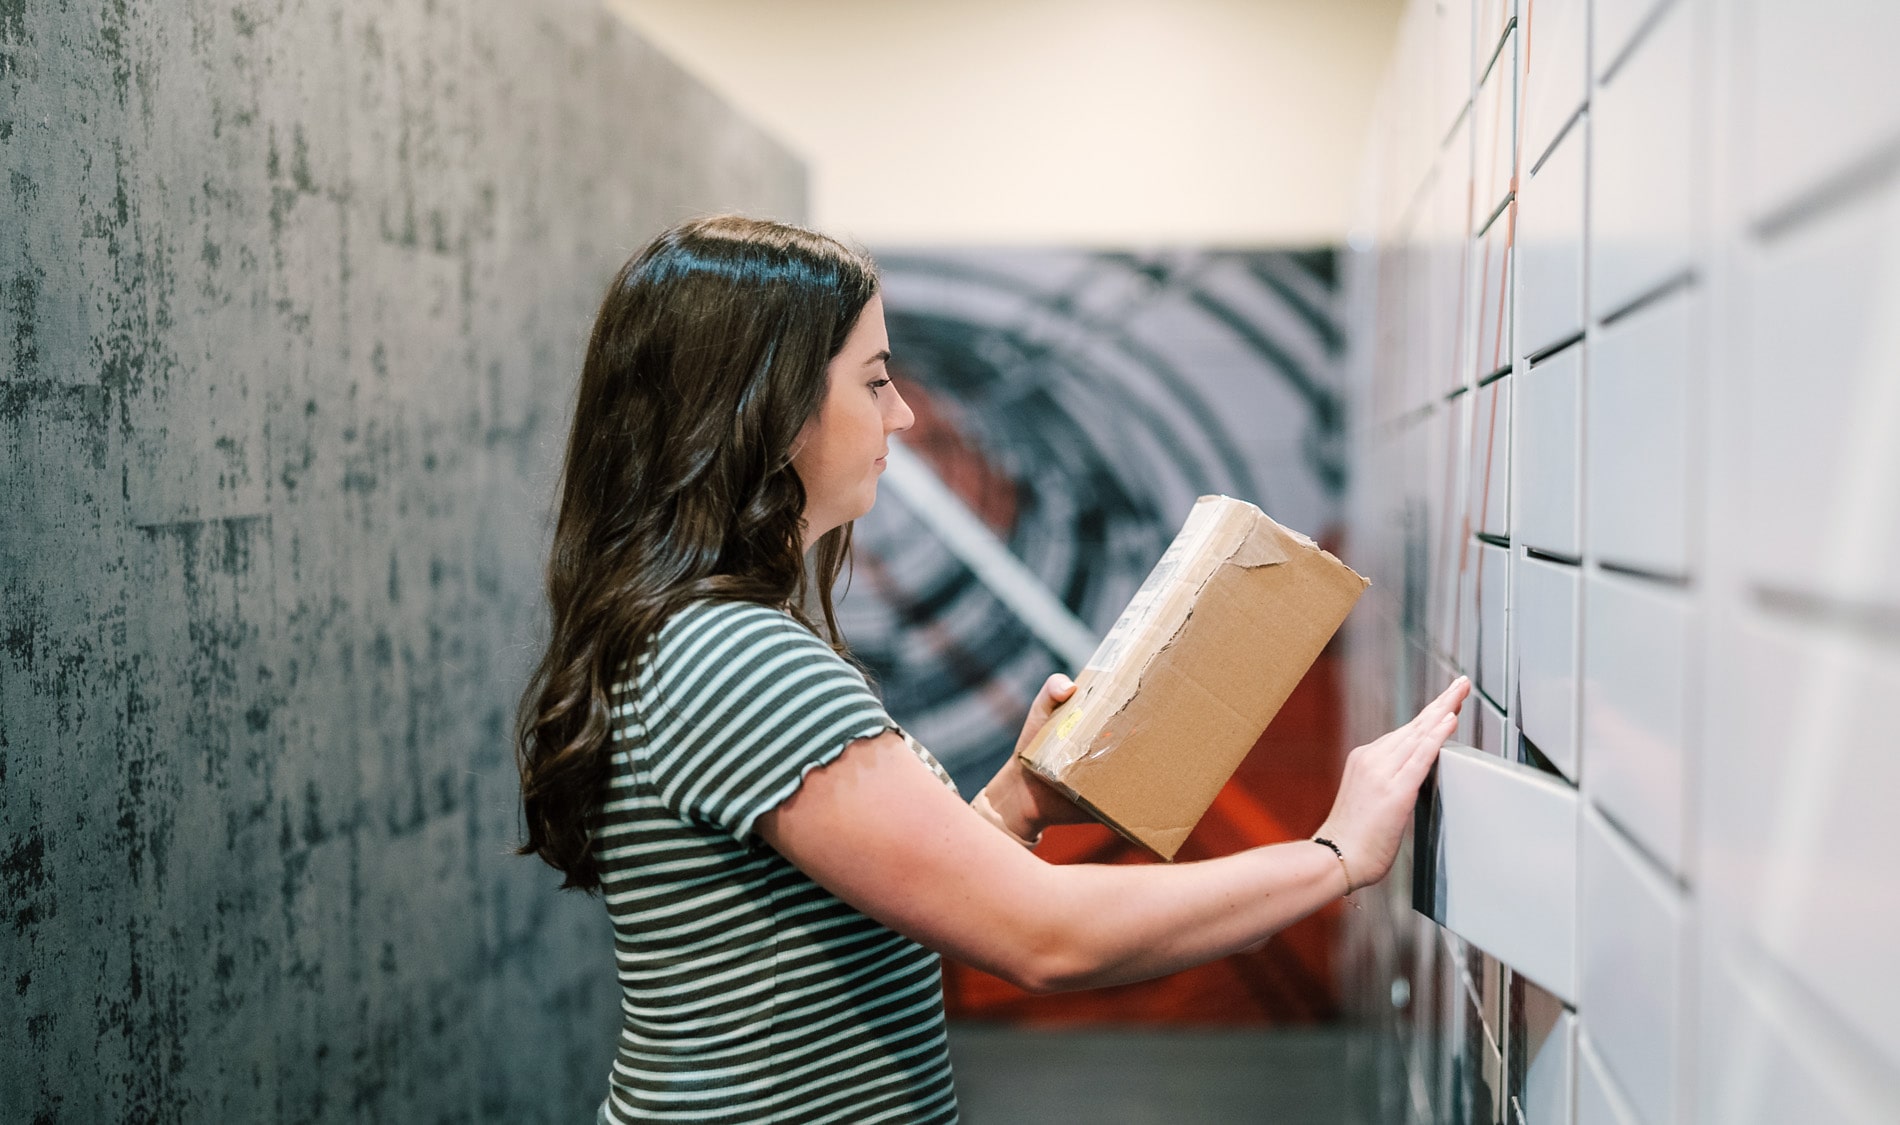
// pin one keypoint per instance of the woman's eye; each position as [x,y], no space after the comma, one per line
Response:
[876,383]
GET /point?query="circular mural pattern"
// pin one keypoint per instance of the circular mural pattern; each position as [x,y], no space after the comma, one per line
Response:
[1076,403]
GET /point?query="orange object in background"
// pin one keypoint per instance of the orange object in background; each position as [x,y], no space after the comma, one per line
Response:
[1281,792]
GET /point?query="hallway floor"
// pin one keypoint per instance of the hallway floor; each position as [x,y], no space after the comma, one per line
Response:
[1298,1076]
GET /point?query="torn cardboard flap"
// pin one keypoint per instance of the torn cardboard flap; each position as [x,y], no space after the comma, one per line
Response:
[1259,550]
[1205,655]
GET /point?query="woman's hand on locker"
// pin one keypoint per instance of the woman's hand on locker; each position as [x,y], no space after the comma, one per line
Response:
[1380,786]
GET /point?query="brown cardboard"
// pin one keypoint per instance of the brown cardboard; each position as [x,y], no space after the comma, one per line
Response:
[1198,664]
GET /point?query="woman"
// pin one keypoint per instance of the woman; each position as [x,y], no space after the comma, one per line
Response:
[782,864]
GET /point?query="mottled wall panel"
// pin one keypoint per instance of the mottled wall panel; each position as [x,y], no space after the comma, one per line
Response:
[291,299]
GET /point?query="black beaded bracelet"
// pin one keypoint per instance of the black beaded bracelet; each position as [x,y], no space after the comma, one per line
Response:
[1341,856]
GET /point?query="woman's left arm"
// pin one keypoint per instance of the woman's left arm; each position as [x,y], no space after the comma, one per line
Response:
[877,829]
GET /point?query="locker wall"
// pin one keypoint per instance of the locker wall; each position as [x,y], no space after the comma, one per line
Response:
[1625,296]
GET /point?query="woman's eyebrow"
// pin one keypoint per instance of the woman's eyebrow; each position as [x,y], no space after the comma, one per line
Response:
[880,357]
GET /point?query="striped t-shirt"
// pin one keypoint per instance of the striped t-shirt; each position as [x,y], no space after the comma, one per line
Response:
[748,992]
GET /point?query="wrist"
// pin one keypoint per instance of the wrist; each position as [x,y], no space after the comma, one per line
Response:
[1008,813]
[1339,853]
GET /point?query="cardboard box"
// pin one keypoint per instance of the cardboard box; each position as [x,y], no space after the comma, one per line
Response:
[1198,664]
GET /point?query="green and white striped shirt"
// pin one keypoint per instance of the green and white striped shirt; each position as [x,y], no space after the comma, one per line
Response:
[749,992]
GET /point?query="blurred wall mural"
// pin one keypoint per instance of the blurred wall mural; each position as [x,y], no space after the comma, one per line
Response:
[1070,407]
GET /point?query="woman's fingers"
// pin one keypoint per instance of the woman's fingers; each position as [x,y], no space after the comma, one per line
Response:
[1397,748]
[1426,752]
[1434,738]
[1447,703]
[1056,690]
[1453,695]
[1448,700]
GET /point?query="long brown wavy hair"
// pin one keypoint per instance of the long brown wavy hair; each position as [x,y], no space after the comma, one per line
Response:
[707,357]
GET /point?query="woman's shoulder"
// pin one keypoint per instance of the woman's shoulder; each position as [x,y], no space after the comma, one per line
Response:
[727,631]
[725,613]
[709,617]
[718,662]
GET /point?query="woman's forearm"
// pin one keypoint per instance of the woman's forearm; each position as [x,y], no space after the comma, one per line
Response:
[1109,925]
[1112,924]
[1095,925]
[877,829]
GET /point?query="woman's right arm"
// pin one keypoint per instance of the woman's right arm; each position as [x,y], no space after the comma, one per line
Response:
[877,829]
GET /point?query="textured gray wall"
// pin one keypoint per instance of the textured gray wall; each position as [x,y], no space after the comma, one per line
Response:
[291,303]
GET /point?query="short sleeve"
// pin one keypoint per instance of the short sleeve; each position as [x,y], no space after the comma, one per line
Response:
[739,702]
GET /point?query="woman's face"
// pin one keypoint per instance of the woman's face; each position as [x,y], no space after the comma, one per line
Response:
[840,451]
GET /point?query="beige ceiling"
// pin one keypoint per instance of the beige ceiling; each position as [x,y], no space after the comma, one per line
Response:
[1093,122]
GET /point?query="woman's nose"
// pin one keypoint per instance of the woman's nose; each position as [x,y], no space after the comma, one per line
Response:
[900,418]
